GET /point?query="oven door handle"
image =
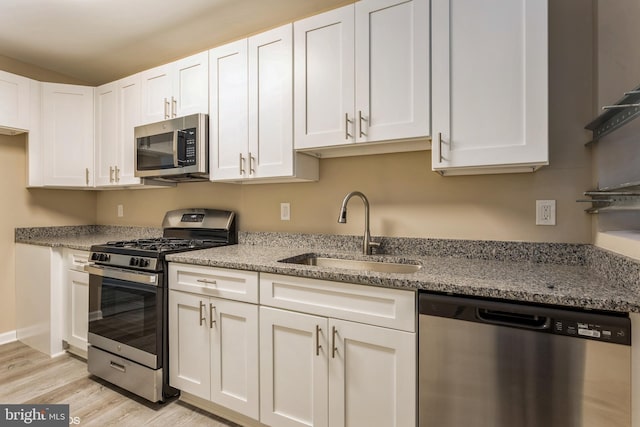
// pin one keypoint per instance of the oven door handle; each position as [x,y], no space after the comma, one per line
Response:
[126,275]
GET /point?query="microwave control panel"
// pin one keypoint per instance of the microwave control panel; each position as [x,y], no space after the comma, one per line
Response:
[187,147]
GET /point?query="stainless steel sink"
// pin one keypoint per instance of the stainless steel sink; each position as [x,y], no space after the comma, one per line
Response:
[353,264]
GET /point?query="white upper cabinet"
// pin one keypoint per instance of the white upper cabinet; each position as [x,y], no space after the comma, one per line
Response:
[229,112]
[14,103]
[490,86]
[67,135]
[129,116]
[324,62]
[117,113]
[362,75]
[251,106]
[106,137]
[392,70]
[176,89]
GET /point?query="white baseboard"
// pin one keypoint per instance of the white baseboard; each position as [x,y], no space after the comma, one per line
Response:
[7,337]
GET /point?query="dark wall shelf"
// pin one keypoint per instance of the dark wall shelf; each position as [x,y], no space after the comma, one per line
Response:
[615,116]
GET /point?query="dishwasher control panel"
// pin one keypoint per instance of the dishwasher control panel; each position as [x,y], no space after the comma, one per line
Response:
[594,325]
[619,334]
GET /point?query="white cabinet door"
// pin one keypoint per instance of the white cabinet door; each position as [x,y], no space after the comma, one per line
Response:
[189,344]
[490,85]
[14,101]
[392,70]
[129,111]
[68,133]
[77,325]
[228,119]
[234,356]
[271,103]
[156,94]
[324,79]
[190,93]
[372,376]
[293,369]
[106,137]
[176,89]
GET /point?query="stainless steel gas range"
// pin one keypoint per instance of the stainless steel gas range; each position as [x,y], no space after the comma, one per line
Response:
[128,300]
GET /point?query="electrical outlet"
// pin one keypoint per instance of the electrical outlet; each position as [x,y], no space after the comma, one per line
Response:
[120,211]
[545,212]
[285,212]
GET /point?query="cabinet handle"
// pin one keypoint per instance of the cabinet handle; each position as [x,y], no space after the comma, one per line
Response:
[347,135]
[202,318]
[213,318]
[207,281]
[318,345]
[241,164]
[111,174]
[439,147]
[86,173]
[360,120]
[252,160]
[117,174]
[166,108]
[174,107]
[334,332]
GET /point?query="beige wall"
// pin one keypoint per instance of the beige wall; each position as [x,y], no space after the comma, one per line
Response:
[409,200]
[29,208]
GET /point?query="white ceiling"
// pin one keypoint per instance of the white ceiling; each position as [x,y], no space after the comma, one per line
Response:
[98,41]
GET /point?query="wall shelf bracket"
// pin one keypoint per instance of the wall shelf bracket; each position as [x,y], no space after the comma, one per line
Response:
[615,116]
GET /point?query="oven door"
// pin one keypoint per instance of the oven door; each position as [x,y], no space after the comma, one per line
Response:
[125,313]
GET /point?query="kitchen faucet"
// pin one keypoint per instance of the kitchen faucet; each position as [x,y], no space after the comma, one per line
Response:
[367,244]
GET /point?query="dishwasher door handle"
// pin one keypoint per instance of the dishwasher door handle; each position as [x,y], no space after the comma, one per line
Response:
[508,318]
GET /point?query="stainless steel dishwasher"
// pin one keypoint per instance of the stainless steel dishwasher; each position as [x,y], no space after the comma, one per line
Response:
[484,363]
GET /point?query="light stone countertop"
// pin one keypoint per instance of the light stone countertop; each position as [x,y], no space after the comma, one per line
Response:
[566,285]
[81,237]
[574,275]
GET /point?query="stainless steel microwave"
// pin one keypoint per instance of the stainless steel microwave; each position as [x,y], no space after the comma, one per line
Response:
[173,150]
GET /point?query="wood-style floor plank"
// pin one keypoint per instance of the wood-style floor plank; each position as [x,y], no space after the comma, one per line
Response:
[30,377]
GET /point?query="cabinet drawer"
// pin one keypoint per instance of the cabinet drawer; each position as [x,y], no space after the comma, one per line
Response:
[75,259]
[391,308]
[219,282]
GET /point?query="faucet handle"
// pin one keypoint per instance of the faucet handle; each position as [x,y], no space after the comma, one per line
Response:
[373,244]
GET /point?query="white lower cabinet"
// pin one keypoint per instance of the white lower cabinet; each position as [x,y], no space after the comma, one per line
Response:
[76,295]
[293,368]
[323,371]
[213,342]
[313,353]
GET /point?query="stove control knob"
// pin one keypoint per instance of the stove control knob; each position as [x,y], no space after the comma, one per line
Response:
[134,261]
[94,256]
[103,257]
[144,262]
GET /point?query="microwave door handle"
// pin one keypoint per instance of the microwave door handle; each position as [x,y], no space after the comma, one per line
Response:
[175,149]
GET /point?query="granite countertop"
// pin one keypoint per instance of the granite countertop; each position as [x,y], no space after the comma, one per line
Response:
[81,237]
[575,275]
[567,285]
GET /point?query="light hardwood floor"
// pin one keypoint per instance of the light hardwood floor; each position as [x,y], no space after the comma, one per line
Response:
[28,376]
